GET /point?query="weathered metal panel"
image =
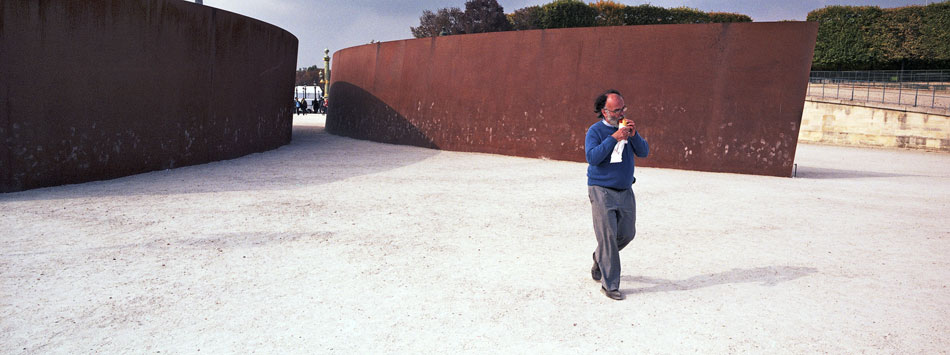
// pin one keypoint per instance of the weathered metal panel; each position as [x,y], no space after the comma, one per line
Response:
[710,97]
[106,88]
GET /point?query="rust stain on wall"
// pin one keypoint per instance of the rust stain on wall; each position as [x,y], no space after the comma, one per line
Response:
[709,97]
[100,89]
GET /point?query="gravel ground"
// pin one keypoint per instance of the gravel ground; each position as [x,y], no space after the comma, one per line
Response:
[331,244]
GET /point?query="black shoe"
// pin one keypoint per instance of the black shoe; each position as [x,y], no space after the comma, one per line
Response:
[612,294]
[595,271]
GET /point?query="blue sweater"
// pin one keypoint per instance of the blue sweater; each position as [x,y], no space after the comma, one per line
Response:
[598,145]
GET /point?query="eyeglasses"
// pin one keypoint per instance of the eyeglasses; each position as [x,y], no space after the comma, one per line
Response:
[619,110]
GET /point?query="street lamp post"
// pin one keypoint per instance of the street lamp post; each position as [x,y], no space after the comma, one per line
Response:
[326,73]
[324,94]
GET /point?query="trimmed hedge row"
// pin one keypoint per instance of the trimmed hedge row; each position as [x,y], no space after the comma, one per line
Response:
[868,37]
[576,13]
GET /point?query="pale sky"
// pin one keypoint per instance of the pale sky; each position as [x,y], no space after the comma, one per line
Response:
[338,24]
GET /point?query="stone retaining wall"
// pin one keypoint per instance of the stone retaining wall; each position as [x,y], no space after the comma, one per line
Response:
[867,126]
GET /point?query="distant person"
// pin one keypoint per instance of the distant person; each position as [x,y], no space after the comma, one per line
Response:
[303,105]
[610,146]
[297,105]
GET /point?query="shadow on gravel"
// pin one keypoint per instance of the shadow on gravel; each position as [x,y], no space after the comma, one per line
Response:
[805,172]
[767,276]
[359,114]
[212,242]
[313,157]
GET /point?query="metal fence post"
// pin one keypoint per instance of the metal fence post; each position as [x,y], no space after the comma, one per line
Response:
[916,90]
[852,90]
[900,86]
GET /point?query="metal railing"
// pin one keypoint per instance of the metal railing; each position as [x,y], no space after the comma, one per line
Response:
[912,88]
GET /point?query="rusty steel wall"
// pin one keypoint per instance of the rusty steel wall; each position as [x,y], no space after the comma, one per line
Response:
[98,89]
[709,97]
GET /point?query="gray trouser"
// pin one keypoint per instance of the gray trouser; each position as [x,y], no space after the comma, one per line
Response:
[615,218]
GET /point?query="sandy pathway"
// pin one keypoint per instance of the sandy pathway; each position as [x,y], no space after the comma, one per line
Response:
[331,244]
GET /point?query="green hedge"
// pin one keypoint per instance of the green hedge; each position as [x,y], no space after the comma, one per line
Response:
[576,13]
[567,13]
[844,37]
[722,17]
[654,15]
[868,37]
[528,18]
[646,14]
[935,32]
[609,13]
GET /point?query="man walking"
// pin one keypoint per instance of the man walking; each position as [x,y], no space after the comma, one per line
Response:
[610,146]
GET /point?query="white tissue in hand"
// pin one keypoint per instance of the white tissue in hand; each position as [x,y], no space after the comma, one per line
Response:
[617,155]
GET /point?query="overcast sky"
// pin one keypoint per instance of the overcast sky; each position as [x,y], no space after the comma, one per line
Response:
[338,24]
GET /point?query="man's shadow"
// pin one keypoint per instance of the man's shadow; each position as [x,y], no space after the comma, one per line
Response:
[768,276]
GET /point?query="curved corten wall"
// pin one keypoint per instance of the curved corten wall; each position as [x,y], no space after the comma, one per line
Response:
[98,89]
[711,97]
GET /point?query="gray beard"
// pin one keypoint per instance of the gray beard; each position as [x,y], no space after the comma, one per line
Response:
[613,121]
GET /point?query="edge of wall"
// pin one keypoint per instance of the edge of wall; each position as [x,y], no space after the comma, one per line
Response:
[99,89]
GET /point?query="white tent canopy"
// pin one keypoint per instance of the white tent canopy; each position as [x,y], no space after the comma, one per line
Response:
[310,92]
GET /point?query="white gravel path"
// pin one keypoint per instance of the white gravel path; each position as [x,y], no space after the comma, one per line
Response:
[336,245]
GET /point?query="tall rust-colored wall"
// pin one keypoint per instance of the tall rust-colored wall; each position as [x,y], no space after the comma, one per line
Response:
[98,89]
[711,97]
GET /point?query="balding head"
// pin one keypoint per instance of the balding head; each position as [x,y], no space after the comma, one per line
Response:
[601,101]
[610,106]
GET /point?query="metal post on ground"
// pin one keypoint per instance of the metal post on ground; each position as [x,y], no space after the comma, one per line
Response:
[933,97]
[883,91]
[852,89]
[326,73]
[916,91]
[322,82]
[900,89]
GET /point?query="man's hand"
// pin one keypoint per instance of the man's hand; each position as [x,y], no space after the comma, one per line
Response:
[625,132]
